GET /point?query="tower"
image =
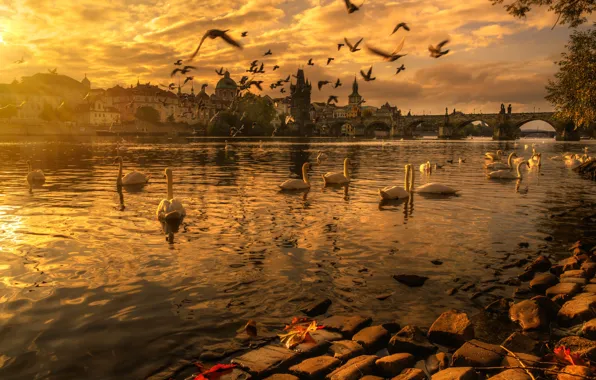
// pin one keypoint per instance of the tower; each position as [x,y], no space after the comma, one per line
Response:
[300,100]
[354,98]
[86,83]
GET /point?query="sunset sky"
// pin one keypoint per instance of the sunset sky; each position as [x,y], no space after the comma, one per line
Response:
[494,58]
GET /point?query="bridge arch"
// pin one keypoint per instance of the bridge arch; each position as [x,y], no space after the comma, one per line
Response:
[378,128]
[551,132]
[468,127]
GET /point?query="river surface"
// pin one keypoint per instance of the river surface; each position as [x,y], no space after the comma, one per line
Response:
[90,288]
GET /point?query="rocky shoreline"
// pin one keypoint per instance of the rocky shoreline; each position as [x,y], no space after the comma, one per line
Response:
[549,330]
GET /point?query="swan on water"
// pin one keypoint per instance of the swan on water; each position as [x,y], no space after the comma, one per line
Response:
[298,184]
[34,177]
[431,188]
[170,209]
[573,162]
[507,174]
[535,161]
[338,177]
[426,167]
[493,156]
[132,178]
[321,156]
[396,192]
[502,166]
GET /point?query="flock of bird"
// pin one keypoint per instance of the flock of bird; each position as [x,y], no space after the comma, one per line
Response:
[171,212]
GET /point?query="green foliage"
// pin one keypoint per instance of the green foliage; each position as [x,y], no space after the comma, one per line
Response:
[573,91]
[259,112]
[47,113]
[572,12]
[222,123]
[148,114]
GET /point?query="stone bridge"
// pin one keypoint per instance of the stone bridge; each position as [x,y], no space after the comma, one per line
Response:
[505,125]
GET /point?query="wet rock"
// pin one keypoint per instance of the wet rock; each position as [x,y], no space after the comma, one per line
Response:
[262,361]
[565,265]
[282,376]
[315,368]
[392,327]
[467,286]
[500,306]
[436,363]
[577,311]
[574,280]
[451,291]
[235,374]
[581,346]
[563,288]
[540,264]
[520,342]
[574,273]
[461,373]
[371,377]
[512,281]
[543,281]
[347,326]
[524,244]
[317,307]
[451,329]
[589,269]
[548,238]
[383,297]
[411,374]
[589,329]
[523,292]
[477,354]
[392,365]
[321,340]
[573,372]
[511,374]
[526,276]
[527,359]
[410,280]
[437,262]
[372,338]
[345,350]
[590,288]
[529,315]
[355,368]
[412,340]
[560,299]
[518,263]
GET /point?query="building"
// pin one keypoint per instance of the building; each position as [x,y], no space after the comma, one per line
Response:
[128,100]
[300,101]
[97,113]
[282,107]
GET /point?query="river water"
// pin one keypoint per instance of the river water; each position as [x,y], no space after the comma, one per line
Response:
[90,288]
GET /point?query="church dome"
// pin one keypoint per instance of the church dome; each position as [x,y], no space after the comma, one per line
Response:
[86,82]
[226,82]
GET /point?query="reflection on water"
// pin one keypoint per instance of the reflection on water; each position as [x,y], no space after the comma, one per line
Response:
[90,288]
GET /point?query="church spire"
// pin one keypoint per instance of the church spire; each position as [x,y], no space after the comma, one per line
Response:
[355,86]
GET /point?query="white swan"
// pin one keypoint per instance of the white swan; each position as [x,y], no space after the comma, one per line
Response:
[426,167]
[493,156]
[396,192]
[170,209]
[535,161]
[338,177]
[507,174]
[321,156]
[34,177]
[432,188]
[132,178]
[298,184]
[573,162]
[500,165]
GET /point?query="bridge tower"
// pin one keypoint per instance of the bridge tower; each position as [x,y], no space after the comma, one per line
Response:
[300,101]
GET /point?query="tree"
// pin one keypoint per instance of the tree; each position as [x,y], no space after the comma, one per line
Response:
[573,91]
[222,123]
[572,12]
[259,112]
[148,114]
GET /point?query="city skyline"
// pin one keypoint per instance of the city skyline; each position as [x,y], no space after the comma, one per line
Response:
[494,58]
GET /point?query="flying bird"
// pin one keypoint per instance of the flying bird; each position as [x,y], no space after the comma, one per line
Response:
[283,90]
[268,52]
[337,84]
[310,62]
[53,71]
[361,102]
[183,70]
[353,48]
[260,70]
[220,72]
[351,7]
[188,79]
[20,60]
[287,79]
[436,52]
[61,105]
[178,62]
[244,34]
[401,25]
[322,83]
[275,67]
[367,77]
[329,60]
[332,98]
[389,57]
[243,79]
[213,34]
[339,46]
[257,84]
[87,96]
[400,69]
[289,119]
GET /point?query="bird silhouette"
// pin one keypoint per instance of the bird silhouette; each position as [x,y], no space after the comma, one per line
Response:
[287,79]
[213,34]
[367,77]
[329,60]
[260,70]
[178,62]
[220,72]
[19,61]
[339,46]
[272,86]
[400,69]
[183,70]
[257,84]
[436,52]
[243,79]
[337,83]
[188,79]
[53,71]
[268,52]
[353,48]
[283,90]
[244,34]
[332,98]
[322,83]
[87,96]
[204,86]
[401,25]
[389,57]
[361,102]
[275,67]
[254,63]
[310,62]
[351,7]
